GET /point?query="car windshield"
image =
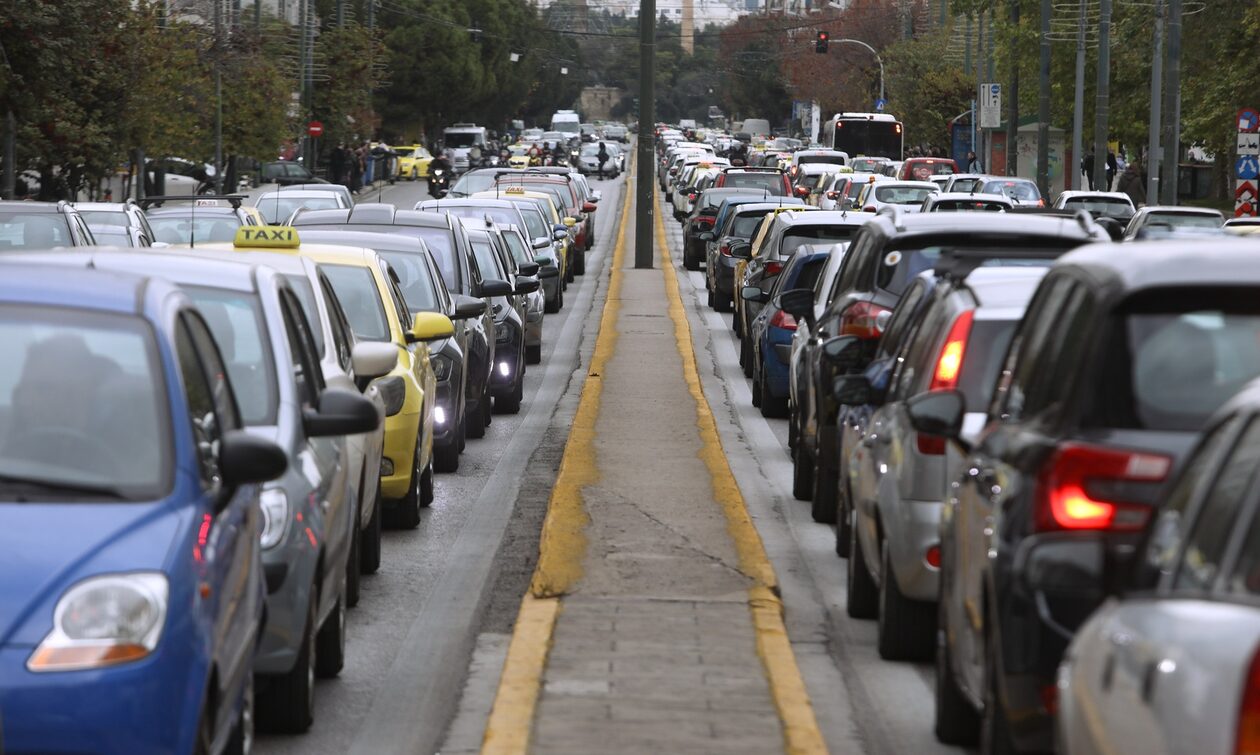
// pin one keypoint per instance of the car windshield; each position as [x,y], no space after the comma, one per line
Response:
[36,230]
[517,246]
[184,229]
[1112,208]
[1172,357]
[415,280]
[867,164]
[236,320]
[964,184]
[907,195]
[471,183]
[276,208]
[461,139]
[360,299]
[534,223]
[798,237]
[83,408]
[441,245]
[1184,220]
[487,260]
[1018,190]
[771,182]
[967,205]
[105,217]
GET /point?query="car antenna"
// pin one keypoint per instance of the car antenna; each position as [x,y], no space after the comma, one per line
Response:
[192,230]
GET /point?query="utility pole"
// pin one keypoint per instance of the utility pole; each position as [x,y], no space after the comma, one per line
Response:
[218,96]
[1172,109]
[1043,104]
[371,14]
[1012,99]
[977,135]
[1102,106]
[9,182]
[1073,171]
[1153,151]
[341,13]
[645,207]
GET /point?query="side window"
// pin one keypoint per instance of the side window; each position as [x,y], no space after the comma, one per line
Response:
[443,295]
[1028,352]
[202,416]
[848,276]
[306,374]
[343,336]
[396,295]
[917,359]
[1170,524]
[1217,517]
[900,321]
[212,360]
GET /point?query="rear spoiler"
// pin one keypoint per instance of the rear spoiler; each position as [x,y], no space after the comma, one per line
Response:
[957,264]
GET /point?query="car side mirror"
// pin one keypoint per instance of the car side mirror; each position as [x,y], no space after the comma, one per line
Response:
[492,287]
[526,284]
[844,354]
[589,207]
[570,222]
[938,413]
[372,359]
[706,236]
[540,243]
[245,459]
[431,326]
[802,191]
[527,268]
[753,293]
[340,412]
[741,250]
[852,390]
[798,302]
[467,307]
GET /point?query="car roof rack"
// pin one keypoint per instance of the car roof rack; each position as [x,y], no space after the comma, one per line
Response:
[235,200]
[957,264]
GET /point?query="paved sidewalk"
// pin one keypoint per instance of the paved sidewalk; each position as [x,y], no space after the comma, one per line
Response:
[654,648]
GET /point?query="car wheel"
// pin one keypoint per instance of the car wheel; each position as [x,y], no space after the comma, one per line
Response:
[476,422]
[823,509]
[330,645]
[533,354]
[995,733]
[772,407]
[906,626]
[446,456]
[709,302]
[802,474]
[487,413]
[205,729]
[755,388]
[407,510]
[370,551]
[957,722]
[352,562]
[560,300]
[721,302]
[288,706]
[579,267]
[511,404]
[862,599]
[426,486]
[689,260]
[415,174]
[746,356]
[570,271]
[844,506]
[241,741]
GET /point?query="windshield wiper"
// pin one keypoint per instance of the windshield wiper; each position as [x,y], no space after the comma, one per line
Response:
[17,485]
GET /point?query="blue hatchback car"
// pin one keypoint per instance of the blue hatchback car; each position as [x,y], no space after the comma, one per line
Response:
[131,585]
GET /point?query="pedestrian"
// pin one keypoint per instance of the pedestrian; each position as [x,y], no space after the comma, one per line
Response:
[356,169]
[337,163]
[1131,183]
[1111,170]
[973,163]
[1087,167]
[602,158]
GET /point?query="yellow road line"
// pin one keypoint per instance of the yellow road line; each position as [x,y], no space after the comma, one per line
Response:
[563,544]
[800,728]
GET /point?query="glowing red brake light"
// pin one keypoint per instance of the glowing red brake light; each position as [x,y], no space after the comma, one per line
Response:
[783,320]
[862,320]
[1247,738]
[1068,488]
[704,220]
[945,378]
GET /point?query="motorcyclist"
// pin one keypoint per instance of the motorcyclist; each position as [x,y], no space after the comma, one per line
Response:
[440,169]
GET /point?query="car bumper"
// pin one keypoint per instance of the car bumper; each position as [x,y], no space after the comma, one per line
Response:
[911,530]
[401,433]
[289,569]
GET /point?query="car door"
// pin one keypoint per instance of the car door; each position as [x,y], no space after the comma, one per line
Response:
[227,552]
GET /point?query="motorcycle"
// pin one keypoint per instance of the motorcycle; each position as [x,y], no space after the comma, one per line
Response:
[439,183]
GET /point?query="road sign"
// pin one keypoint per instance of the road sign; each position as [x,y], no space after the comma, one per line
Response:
[1247,168]
[990,105]
[1248,143]
[1249,120]
[880,104]
[1246,200]
[314,128]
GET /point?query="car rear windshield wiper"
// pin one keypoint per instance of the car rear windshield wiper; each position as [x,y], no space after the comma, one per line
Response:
[23,487]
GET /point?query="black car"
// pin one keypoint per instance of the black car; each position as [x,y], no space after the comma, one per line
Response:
[287,173]
[494,261]
[1124,354]
[884,257]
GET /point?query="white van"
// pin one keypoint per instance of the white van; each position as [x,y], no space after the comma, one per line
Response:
[567,121]
[757,127]
[462,138]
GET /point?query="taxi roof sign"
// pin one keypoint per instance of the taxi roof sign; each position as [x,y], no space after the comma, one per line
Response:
[267,236]
[514,190]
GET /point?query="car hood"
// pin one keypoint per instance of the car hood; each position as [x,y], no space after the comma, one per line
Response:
[47,547]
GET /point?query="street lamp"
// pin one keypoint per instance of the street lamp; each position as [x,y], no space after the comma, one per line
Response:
[877,60]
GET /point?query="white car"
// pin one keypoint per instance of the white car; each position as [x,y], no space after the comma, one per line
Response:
[907,196]
[277,206]
[807,179]
[1112,204]
[958,201]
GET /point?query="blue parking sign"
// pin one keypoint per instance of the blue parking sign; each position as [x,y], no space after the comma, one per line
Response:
[1247,168]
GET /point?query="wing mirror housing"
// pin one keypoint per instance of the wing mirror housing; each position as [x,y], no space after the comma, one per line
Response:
[706,236]
[938,413]
[853,390]
[799,303]
[431,326]
[526,284]
[341,412]
[596,195]
[492,287]
[245,459]
[569,222]
[844,354]
[589,206]
[754,294]
[372,359]
[741,250]
[528,268]
[467,307]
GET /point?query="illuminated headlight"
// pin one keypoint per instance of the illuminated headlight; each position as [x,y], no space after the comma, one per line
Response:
[442,367]
[502,332]
[104,621]
[393,392]
[275,510]
[439,415]
[504,370]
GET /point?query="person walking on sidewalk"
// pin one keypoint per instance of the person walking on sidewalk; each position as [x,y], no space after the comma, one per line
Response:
[1131,183]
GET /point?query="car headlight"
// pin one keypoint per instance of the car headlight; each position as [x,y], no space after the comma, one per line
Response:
[104,621]
[393,392]
[442,366]
[275,512]
[502,332]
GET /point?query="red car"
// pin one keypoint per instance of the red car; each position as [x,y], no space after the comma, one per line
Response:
[922,168]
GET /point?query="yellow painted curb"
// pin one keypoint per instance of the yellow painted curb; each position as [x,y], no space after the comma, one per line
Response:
[563,542]
[507,732]
[801,735]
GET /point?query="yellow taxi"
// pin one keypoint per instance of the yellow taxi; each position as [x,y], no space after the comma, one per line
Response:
[413,162]
[518,155]
[374,306]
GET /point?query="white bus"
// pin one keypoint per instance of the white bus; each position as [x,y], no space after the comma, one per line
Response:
[864,135]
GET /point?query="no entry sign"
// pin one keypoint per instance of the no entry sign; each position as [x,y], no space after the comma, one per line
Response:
[314,128]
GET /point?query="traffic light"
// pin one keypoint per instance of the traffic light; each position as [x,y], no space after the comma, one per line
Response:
[820,43]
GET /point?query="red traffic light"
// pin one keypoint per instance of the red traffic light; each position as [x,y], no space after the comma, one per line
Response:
[820,41]
[823,36]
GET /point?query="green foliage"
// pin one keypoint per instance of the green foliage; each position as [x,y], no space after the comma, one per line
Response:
[924,94]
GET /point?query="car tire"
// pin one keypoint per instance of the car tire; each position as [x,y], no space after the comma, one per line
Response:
[487,406]
[736,325]
[579,267]
[407,510]
[771,406]
[957,722]
[906,626]
[426,486]
[533,354]
[552,305]
[689,260]
[862,601]
[352,562]
[475,424]
[711,300]
[288,706]
[511,403]
[755,388]
[330,644]
[570,271]
[823,508]
[370,550]
[721,302]
[844,524]
[241,740]
[995,732]
[802,474]
[746,356]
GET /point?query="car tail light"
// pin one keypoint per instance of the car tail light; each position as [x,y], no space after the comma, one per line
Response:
[833,195]
[1065,500]
[945,377]
[691,197]
[783,320]
[862,320]
[1247,739]
[724,250]
[1050,698]
[869,208]
[704,220]
[774,268]
[932,557]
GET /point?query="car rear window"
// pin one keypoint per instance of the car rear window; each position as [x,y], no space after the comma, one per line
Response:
[798,237]
[1183,220]
[771,182]
[964,184]
[1024,191]
[746,223]
[967,205]
[905,195]
[1172,357]
[922,170]
[1112,208]
[986,347]
[900,265]
[829,159]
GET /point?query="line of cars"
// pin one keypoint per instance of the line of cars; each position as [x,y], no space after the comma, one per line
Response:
[200,446]
[1003,414]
